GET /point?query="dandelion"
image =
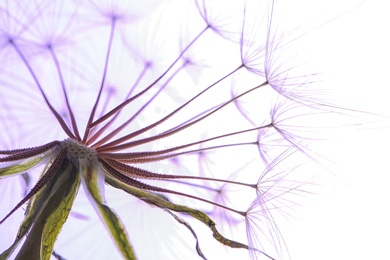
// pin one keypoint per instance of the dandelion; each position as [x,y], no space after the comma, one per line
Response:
[185,118]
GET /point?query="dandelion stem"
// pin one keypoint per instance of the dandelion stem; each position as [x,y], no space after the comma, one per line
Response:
[139,185]
[139,157]
[20,154]
[55,113]
[92,115]
[128,101]
[114,147]
[115,144]
[112,120]
[146,158]
[58,67]
[133,172]
[120,128]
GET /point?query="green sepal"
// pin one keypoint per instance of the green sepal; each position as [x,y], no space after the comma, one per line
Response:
[46,213]
[21,166]
[157,201]
[93,182]
[58,216]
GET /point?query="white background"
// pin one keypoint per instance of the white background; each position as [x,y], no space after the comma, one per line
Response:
[349,216]
[352,220]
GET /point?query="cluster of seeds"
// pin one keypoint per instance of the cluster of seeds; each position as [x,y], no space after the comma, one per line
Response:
[77,150]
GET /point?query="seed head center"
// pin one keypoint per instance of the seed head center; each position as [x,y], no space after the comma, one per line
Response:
[78,150]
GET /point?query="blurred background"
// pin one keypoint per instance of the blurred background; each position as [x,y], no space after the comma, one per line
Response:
[345,44]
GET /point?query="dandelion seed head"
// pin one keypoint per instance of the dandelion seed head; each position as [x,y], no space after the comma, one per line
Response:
[179,119]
